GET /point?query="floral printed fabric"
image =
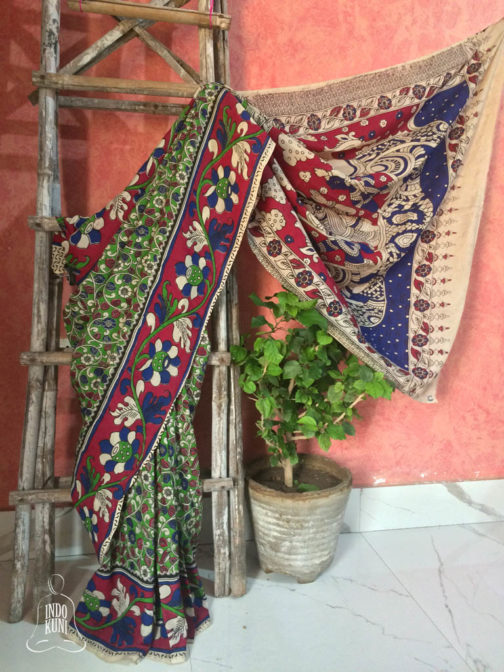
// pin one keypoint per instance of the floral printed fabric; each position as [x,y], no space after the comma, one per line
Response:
[372,199]
[148,268]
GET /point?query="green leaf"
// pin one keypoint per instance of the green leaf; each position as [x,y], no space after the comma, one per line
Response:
[292,369]
[249,387]
[366,374]
[253,369]
[324,441]
[312,316]
[336,432]
[308,422]
[238,353]
[335,392]
[307,487]
[258,321]
[265,406]
[274,369]
[323,338]
[375,389]
[272,351]
[348,428]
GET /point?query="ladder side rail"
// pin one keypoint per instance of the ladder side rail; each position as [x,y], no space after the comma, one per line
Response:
[50,24]
[220,387]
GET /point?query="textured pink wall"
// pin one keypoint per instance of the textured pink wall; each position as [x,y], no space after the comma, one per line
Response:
[272,44]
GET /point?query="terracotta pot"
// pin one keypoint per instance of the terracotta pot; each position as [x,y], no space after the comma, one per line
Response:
[297,533]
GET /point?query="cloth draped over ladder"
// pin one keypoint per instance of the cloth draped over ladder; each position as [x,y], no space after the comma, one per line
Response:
[364,194]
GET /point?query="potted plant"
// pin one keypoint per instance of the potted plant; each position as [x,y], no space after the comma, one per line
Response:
[305,385]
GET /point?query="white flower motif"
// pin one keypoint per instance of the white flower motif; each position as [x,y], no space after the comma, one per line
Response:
[272,189]
[293,150]
[121,600]
[182,332]
[223,193]
[240,156]
[101,503]
[118,205]
[195,237]
[163,363]
[176,628]
[127,412]
[274,220]
[86,234]
[120,450]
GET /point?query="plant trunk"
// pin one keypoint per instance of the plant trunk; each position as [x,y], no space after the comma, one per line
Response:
[288,473]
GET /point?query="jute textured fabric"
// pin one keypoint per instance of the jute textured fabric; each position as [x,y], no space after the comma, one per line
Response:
[364,194]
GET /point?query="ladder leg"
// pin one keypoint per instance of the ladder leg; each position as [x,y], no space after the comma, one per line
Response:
[36,377]
[44,522]
[238,579]
[20,561]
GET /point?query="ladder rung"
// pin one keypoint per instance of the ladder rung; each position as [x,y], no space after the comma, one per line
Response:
[141,106]
[62,495]
[64,357]
[113,85]
[135,10]
[39,223]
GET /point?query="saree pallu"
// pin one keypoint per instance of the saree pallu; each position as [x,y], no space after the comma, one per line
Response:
[363,194]
[372,200]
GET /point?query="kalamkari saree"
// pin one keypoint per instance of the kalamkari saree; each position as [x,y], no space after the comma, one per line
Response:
[364,194]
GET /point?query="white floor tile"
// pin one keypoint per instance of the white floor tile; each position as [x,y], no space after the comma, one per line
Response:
[456,574]
[357,617]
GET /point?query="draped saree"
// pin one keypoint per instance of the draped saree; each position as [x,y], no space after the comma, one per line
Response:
[364,194]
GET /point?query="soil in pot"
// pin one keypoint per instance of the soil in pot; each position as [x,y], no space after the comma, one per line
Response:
[272,477]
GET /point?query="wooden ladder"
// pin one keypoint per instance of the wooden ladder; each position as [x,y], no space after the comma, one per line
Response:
[38,487]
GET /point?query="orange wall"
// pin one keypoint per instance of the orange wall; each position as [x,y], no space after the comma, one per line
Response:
[272,44]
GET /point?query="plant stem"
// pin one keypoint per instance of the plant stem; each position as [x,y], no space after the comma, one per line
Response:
[354,403]
[288,473]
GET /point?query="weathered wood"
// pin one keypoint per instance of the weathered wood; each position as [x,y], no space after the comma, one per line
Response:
[182,69]
[64,358]
[206,48]
[61,495]
[113,85]
[238,579]
[141,11]
[221,44]
[220,501]
[107,44]
[38,342]
[39,223]
[44,515]
[111,104]
[20,561]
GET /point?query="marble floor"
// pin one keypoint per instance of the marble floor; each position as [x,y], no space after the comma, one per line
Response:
[422,599]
